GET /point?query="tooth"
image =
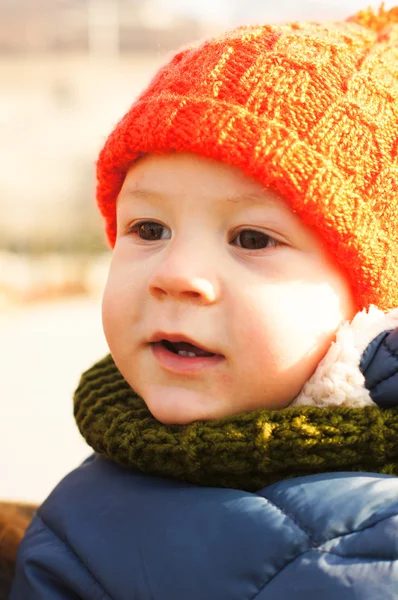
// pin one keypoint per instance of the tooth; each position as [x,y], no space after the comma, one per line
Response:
[186,353]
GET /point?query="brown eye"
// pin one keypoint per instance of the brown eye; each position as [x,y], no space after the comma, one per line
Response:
[251,239]
[151,231]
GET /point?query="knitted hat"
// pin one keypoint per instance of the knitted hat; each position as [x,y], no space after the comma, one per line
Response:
[310,110]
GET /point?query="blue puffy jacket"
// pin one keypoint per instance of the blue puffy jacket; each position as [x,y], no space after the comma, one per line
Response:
[109,533]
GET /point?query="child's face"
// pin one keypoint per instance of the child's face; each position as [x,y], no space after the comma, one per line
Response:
[205,253]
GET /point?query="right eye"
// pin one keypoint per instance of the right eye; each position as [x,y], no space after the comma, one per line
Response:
[150,231]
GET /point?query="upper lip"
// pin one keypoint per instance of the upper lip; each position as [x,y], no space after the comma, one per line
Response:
[158,336]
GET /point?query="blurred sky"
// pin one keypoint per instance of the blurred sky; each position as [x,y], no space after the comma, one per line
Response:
[240,10]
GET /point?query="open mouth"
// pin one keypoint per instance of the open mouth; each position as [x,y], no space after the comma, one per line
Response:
[182,356]
[185,349]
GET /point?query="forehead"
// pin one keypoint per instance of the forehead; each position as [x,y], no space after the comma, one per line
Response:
[155,177]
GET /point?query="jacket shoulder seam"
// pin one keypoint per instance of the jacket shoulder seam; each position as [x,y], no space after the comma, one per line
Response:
[348,556]
[70,550]
[279,572]
[331,552]
[299,525]
[354,532]
[392,351]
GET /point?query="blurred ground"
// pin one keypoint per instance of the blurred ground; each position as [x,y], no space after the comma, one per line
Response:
[44,349]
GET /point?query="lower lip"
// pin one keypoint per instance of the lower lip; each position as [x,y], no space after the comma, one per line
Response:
[183,364]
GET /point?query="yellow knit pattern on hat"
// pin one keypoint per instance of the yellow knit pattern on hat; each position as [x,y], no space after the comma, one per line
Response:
[310,110]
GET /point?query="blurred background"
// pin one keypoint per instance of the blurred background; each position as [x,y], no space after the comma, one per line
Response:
[69,69]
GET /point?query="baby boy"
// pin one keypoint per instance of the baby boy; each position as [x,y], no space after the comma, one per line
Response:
[245,423]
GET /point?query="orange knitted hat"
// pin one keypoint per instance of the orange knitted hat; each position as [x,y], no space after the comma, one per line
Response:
[310,110]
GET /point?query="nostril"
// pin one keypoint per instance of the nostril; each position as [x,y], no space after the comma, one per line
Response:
[189,294]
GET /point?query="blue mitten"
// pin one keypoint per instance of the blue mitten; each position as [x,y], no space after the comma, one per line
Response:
[379,365]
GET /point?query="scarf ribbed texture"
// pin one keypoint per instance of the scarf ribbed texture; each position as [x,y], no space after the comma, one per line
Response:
[246,451]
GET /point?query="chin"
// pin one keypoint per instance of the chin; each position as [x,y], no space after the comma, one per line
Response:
[171,416]
[179,406]
[172,419]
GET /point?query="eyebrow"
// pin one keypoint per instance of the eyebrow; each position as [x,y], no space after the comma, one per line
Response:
[141,193]
[145,194]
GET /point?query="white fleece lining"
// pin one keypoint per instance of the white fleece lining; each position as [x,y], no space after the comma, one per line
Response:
[338,380]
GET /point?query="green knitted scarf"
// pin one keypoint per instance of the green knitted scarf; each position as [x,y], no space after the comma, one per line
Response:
[246,451]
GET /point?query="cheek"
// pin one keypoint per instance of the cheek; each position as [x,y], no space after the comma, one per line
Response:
[291,323]
[110,311]
[119,303]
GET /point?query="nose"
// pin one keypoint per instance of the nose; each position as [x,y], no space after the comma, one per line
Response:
[185,276]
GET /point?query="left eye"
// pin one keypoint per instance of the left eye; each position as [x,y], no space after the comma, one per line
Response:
[250,239]
[150,231]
